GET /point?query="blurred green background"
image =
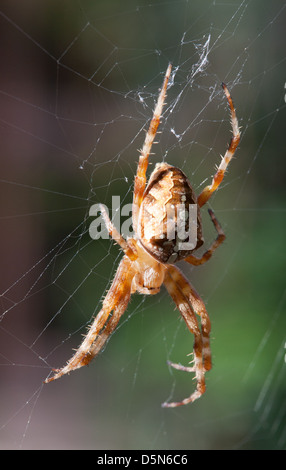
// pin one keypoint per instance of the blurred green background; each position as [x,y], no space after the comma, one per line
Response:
[78,84]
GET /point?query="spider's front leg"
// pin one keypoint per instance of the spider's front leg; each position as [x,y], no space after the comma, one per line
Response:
[182,299]
[199,308]
[116,300]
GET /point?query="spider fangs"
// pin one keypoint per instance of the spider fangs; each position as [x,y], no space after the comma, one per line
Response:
[149,257]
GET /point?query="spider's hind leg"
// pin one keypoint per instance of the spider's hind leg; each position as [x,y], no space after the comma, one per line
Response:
[140,178]
[218,177]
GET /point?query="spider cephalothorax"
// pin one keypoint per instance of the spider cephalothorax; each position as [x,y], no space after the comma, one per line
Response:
[161,238]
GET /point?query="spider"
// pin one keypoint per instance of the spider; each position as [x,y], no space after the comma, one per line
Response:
[149,257]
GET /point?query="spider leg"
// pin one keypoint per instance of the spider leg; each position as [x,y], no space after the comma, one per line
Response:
[206,256]
[116,300]
[189,316]
[113,232]
[218,177]
[199,307]
[109,327]
[140,179]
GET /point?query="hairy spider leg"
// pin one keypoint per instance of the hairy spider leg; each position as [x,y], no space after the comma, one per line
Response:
[218,177]
[113,232]
[186,310]
[208,253]
[116,300]
[188,302]
[199,308]
[140,178]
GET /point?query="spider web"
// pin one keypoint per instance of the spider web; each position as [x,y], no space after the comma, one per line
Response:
[78,85]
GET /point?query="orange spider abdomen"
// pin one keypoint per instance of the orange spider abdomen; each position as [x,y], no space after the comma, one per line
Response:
[169,226]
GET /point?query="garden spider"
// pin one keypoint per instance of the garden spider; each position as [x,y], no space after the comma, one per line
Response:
[149,257]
